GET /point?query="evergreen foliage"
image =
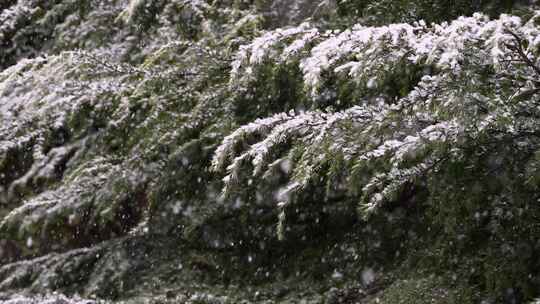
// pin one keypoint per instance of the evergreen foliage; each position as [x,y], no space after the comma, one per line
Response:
[474,94]
[242,125]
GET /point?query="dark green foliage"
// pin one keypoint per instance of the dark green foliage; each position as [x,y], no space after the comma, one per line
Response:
[436,11]
[380,173]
